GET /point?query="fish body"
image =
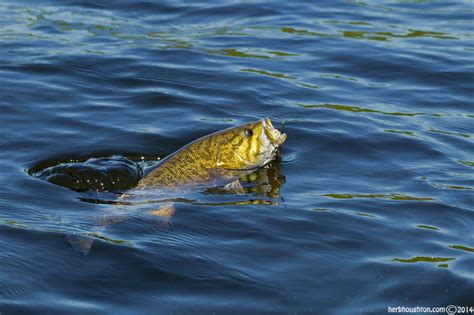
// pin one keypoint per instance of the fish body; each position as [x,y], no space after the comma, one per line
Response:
[217,159]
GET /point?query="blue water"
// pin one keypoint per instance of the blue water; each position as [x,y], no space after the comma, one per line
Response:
[377,205]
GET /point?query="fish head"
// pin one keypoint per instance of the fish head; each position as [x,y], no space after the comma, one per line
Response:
[250,145]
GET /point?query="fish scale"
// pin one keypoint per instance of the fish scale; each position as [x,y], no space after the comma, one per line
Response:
[220,157]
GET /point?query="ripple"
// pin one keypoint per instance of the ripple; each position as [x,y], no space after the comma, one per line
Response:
[467,163]
[462,247]
[302,32]
[362,214]
[428,227]
[397,197]
[231,52]
[16,287]
[17,224]
[270,74]
[357,109]
[449,133]
[404,132]
[386,36]
[423,259]
[370,34]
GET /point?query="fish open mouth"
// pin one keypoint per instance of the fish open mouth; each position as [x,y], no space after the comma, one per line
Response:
[272,140]
[276,137]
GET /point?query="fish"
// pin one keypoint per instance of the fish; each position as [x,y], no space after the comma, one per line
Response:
[221,159]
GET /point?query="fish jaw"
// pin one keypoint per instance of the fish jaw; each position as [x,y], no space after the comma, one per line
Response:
[275,137]
[271,139]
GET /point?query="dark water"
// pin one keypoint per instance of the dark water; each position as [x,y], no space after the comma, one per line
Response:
[377,208]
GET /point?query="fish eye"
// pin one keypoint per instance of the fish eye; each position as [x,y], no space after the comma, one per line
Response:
[248,133]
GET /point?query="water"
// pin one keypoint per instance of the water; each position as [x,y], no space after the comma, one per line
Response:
[377,205]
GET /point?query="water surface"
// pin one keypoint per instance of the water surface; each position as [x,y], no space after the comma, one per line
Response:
[376,208]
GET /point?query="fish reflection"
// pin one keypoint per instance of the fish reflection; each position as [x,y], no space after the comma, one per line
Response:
[266,182]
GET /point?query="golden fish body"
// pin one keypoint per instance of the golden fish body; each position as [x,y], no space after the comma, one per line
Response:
[218,158]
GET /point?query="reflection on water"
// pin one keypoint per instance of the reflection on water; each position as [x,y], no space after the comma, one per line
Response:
[461,247]
[422,226]
[56,24]
[385,36]
[357,109]
[423,259]
[365,214]
[275,75]
[265,182]
[377,196]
